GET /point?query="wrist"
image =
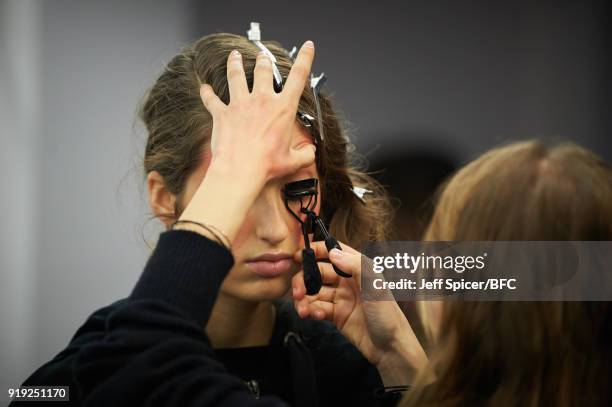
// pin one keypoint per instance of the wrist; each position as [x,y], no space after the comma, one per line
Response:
[401,362]
[241,175]
[223,199]
[394,370]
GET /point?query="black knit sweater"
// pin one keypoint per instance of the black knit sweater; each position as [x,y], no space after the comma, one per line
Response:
[151,349]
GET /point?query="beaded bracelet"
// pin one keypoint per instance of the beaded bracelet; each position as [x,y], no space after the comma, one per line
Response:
[218,234]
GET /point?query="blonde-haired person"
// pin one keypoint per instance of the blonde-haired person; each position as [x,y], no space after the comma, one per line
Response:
[495,353]
[224,167]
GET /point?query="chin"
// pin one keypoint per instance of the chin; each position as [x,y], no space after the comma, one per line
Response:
[267,289]
[258,290]
[244,285]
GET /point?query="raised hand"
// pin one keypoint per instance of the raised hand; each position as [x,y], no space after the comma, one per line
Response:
[251,142]
[252,132]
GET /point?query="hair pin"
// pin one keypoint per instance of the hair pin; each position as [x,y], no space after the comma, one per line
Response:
[254,35]
[291,54]
[306,119]
[360,192]
[316,83]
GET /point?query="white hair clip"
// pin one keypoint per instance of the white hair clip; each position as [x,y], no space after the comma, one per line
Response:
[360,192]
[254,35]
[291,54]
[316,83]
[307,119]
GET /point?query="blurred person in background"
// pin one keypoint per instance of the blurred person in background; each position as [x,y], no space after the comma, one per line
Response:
[496,353]
[411,176]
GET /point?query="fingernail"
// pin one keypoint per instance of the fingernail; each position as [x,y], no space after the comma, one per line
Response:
[294,291]
[235,54]
[309,44]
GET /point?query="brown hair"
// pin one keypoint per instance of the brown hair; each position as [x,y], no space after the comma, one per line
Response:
[180,127]
[523,353]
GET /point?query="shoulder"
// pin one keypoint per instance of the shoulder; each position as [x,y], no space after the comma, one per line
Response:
[59,369]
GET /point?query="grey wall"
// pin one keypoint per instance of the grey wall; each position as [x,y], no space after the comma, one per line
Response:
[451,75]
[73,74]
[441,76]
[19,169]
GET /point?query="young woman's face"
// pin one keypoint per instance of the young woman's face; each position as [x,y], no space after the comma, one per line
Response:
[269,231]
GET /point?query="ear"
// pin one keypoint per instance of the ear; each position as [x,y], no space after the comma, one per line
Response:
[160,199]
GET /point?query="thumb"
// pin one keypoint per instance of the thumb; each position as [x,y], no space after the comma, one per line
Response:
[303,156]
[346,261]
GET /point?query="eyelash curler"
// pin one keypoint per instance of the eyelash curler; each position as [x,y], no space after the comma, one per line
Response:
[299,190]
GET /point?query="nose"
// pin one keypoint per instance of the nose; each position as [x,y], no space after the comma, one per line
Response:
[271,219]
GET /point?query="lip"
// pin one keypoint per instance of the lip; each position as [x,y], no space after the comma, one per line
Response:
[270,264]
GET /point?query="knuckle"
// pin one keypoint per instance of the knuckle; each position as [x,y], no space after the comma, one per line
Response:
[263,64]
[234,72]
[264,99]
[300,70]
[236,103]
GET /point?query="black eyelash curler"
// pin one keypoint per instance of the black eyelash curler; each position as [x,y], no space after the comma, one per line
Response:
[299,190]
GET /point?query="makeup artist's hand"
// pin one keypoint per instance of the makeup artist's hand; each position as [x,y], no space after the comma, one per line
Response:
[250,142]
[378,329]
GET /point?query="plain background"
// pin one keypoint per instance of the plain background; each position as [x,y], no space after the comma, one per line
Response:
[454,78]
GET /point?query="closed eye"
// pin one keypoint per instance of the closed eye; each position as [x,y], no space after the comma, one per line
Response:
[303,191]
[301,188]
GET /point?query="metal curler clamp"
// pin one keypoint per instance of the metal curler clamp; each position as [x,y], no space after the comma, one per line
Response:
[316,83]
[254,35]
[360,192]
[299,190]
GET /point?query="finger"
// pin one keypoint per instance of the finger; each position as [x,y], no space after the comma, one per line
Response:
[212,103]
[303,157]
[298,287]
[262,82]
[321,251]
[236,79]
[300,71]
[328,277]
[320,310]
[326,293]
[315,309]
[302,307]
[346,261]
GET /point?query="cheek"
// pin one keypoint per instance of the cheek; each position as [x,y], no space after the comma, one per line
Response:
[295,229]
[247,232]
[242,236]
